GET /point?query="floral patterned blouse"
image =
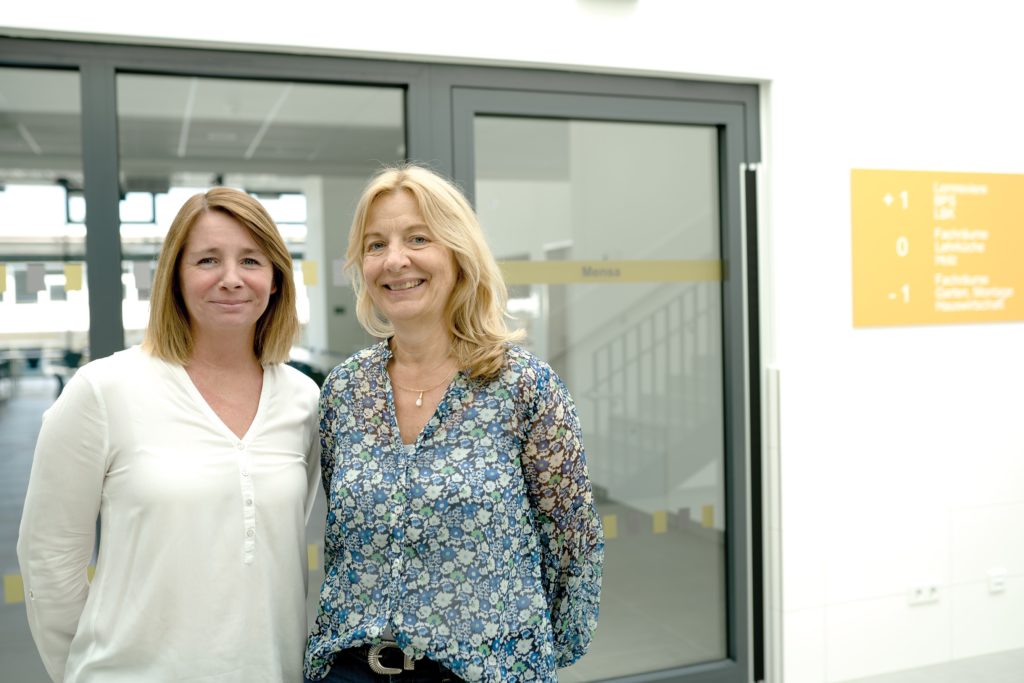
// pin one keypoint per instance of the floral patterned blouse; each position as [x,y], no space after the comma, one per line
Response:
[481,548]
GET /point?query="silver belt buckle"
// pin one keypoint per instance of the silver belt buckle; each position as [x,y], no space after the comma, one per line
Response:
[373,659]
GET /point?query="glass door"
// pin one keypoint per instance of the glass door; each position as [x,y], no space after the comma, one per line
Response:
[44,303]
[611,218]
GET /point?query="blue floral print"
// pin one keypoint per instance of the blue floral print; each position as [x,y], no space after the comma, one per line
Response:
[481,547]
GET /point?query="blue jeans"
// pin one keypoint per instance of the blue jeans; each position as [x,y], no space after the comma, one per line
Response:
[350,666]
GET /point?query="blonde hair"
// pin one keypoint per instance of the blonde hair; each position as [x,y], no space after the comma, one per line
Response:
[475,311]
[169,333]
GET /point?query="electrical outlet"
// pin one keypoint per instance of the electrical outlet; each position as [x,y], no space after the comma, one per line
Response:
[996,580]
[923,594]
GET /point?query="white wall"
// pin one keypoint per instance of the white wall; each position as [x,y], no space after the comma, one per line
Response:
[901,448]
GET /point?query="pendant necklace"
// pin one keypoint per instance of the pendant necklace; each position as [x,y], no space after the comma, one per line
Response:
[419,399]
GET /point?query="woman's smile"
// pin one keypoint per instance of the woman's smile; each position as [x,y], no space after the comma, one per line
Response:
[403,285]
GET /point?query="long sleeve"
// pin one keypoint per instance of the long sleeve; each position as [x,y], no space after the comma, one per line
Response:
[58,524]
[328,426]
[333,395]
[567,521]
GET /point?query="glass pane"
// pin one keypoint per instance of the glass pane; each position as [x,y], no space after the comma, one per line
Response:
[44,305]
[626,215]
[304,150]
[137,207]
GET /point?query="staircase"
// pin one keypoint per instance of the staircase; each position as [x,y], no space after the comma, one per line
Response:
[655,429]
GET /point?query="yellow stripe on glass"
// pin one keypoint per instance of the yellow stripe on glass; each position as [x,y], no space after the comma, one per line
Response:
[576,272]
[659,521]
[3,278]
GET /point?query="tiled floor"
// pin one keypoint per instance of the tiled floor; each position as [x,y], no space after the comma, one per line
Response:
[1002,667]
[19,425]
[661,605]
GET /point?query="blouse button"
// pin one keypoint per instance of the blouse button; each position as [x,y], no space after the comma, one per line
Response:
[31,595]
[240,446]
[248,501]
[250,533]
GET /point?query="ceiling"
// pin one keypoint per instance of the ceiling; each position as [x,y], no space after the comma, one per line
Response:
[174,125]
[175,130]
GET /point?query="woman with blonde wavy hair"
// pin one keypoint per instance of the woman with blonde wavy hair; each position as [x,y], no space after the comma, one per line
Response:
[462,539]
[199,452]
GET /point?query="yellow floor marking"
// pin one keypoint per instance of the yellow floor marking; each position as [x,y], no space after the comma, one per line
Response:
[313,556]
[14,589]
[611,526]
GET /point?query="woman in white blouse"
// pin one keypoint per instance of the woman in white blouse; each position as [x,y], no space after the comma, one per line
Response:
[199,452]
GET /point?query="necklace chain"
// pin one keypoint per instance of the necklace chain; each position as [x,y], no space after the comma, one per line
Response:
[419,399]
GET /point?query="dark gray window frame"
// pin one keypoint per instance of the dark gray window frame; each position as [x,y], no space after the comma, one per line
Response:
[439,98]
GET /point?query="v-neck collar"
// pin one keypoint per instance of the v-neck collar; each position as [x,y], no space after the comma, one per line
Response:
[454,391]
[211,414]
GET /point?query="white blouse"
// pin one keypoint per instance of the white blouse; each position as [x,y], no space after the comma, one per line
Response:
[202,567]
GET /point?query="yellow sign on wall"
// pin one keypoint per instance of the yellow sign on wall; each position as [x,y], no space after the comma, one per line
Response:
[932,247]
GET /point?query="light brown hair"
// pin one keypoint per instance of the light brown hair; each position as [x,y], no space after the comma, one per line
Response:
[169,333]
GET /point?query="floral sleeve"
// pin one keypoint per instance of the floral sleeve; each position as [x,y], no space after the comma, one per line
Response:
[329,423]
[567,521]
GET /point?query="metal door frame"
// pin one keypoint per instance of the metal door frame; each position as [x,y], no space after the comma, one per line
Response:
[728,120]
